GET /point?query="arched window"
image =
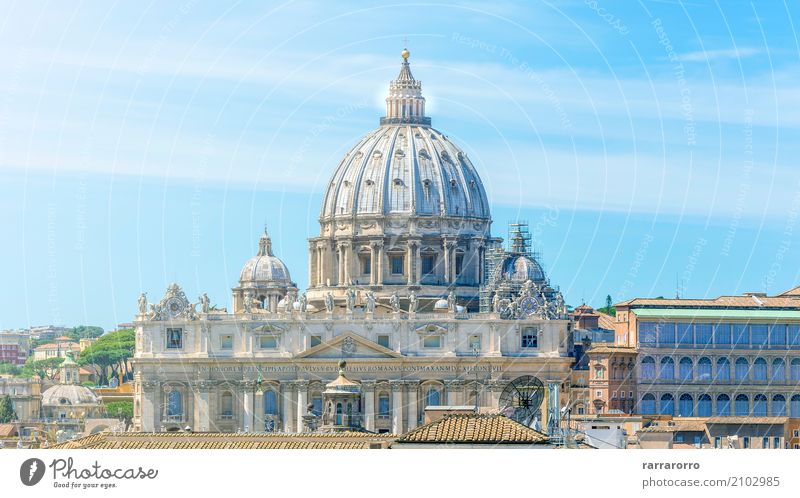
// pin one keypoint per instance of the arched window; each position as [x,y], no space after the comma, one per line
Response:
[794,406]
[704,406]
[667,405]
[742,406]
[339,413]
[175,404]
[778,370]
[794,369]
[433,398]
[685,368]
[667,369]
[227,405]
[270,402]
[778,406]
[760,406]
[741,368]
[723,405]
[723,369]
[384,407]
[648,368]
[760,369]
[704,369]
[686,406]
[648,404]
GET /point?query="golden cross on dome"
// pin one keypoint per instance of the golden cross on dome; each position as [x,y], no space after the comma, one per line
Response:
[405,52]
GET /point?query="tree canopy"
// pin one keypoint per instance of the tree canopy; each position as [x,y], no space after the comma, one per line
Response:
[84,332]
[44,369]
[109,355]
[6,410]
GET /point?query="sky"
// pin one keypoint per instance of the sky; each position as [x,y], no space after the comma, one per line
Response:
[651,145]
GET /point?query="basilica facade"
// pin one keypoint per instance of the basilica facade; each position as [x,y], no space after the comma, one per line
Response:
[412,303]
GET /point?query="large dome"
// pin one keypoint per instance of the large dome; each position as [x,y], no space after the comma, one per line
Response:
[406,169]
[68,395]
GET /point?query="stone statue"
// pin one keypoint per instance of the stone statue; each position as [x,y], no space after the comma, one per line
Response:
[248,303]
[291,298]
[142,303]
[394,302]
[496,303]
[204,302]
[370,305]
[412,302]
[451,302]
[561,307]
[191,311]
[351,299]
[303,303]
[527,289]
[329,302]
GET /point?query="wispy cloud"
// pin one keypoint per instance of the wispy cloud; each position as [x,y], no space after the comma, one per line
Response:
[725,53]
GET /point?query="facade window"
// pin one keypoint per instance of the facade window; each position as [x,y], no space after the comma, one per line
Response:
[794,369]
[316,340]
[704,369]
[742,368]
[529,337]
[227,405]
[366,264]
[722,334]
[685,368]
[759,335]
[765,443]
[598,394]
[666,333]
[599,372]
[383,340]
[667,405]
[777,335]
[778,406]
[746,442]
[384,408]
[459,263]
[717,442]
[686,406]
[270,402]
[778,370]
[796,433]
[685,335]
[432,341]
[581,410]
[475,342]
[648,404]
[648,368]
[704,406]
[742,406]
[433,398]
[316,405]
[723,369]
[760,369]
[703,334]
[760,406]
[667,369]
[174,405]
[226,342]
[741,336]
[794,406]
[428,263]
[268,342]
[648,333]
[777,441]
[793,334]
[723,405]
[397,264]
[174,338]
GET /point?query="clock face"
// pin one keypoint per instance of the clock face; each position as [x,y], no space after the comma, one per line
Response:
[528,305]
[175,306]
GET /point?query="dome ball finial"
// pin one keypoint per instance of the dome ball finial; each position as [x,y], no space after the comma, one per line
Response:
[405,53]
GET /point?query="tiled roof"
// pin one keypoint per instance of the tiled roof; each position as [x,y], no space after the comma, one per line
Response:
[611,349]
[228,441]
[748,420]
[605,321]
[474,429]
[744,301]
[677,425]
[791,292]
[7,430]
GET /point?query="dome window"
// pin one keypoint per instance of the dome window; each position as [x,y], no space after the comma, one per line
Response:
[369,183]
[472,184]
[397,182]
[377,154]
[400,153]
[453,183]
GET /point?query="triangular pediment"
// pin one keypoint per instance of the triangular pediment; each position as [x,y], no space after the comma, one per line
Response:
[349,345]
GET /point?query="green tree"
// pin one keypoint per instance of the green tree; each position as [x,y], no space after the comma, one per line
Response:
[44,369]
[84,332]
[6,410]
[608,301]
[109,355]
[122,410]
[9,369]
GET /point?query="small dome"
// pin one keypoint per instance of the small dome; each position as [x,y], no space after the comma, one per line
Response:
[519,268]
[441,304]
[265,267]
[68,395]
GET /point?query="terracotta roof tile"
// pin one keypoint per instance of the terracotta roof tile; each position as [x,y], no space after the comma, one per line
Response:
[474,429]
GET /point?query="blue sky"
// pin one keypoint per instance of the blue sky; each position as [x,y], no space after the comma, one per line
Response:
[652,145]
